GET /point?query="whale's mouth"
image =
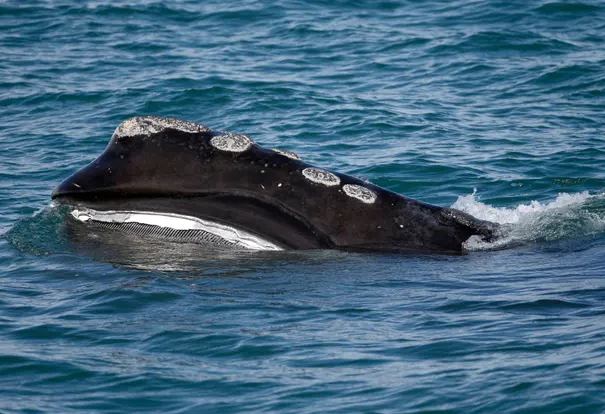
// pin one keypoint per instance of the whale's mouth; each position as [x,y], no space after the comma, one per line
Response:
[173,227]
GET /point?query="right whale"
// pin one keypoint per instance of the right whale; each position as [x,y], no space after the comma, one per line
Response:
[182,180]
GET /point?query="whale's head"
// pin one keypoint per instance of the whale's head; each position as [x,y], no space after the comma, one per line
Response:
[167,176]
[178,174]
[145,156]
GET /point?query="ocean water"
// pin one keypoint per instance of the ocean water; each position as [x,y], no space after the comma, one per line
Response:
[493,107]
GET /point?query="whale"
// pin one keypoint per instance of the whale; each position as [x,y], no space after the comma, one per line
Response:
[181,180]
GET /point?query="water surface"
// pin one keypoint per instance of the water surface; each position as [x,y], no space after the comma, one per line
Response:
[493,107]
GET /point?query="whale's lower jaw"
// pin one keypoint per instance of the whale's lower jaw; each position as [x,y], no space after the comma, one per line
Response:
[228,220]
[173,227]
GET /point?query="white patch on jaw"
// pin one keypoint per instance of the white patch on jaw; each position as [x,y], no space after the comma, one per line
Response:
[286,153]
[319,176]
[149,125]
[232,235]
[231,142]
[361,193]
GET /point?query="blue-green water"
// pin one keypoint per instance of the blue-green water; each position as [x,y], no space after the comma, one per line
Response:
[429,99]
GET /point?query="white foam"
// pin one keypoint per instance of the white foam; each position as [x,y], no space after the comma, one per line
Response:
[564,217]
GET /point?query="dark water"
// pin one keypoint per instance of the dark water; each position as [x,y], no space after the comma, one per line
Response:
[429,99]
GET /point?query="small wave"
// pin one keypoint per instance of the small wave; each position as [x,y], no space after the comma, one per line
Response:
[567,216]
[569,9]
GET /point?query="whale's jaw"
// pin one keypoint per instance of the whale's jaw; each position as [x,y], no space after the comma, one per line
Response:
[173,227]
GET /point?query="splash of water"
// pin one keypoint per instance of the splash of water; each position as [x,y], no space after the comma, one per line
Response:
[567,216]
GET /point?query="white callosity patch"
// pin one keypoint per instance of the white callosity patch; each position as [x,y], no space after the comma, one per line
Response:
[361,193]
[286,153]
[319,176]
[231,142]
[149,125]
[237,237]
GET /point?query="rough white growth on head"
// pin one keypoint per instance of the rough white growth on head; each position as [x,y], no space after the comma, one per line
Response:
[286,153]
[361,193]
[231,142]
[319,176]
[148,125]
